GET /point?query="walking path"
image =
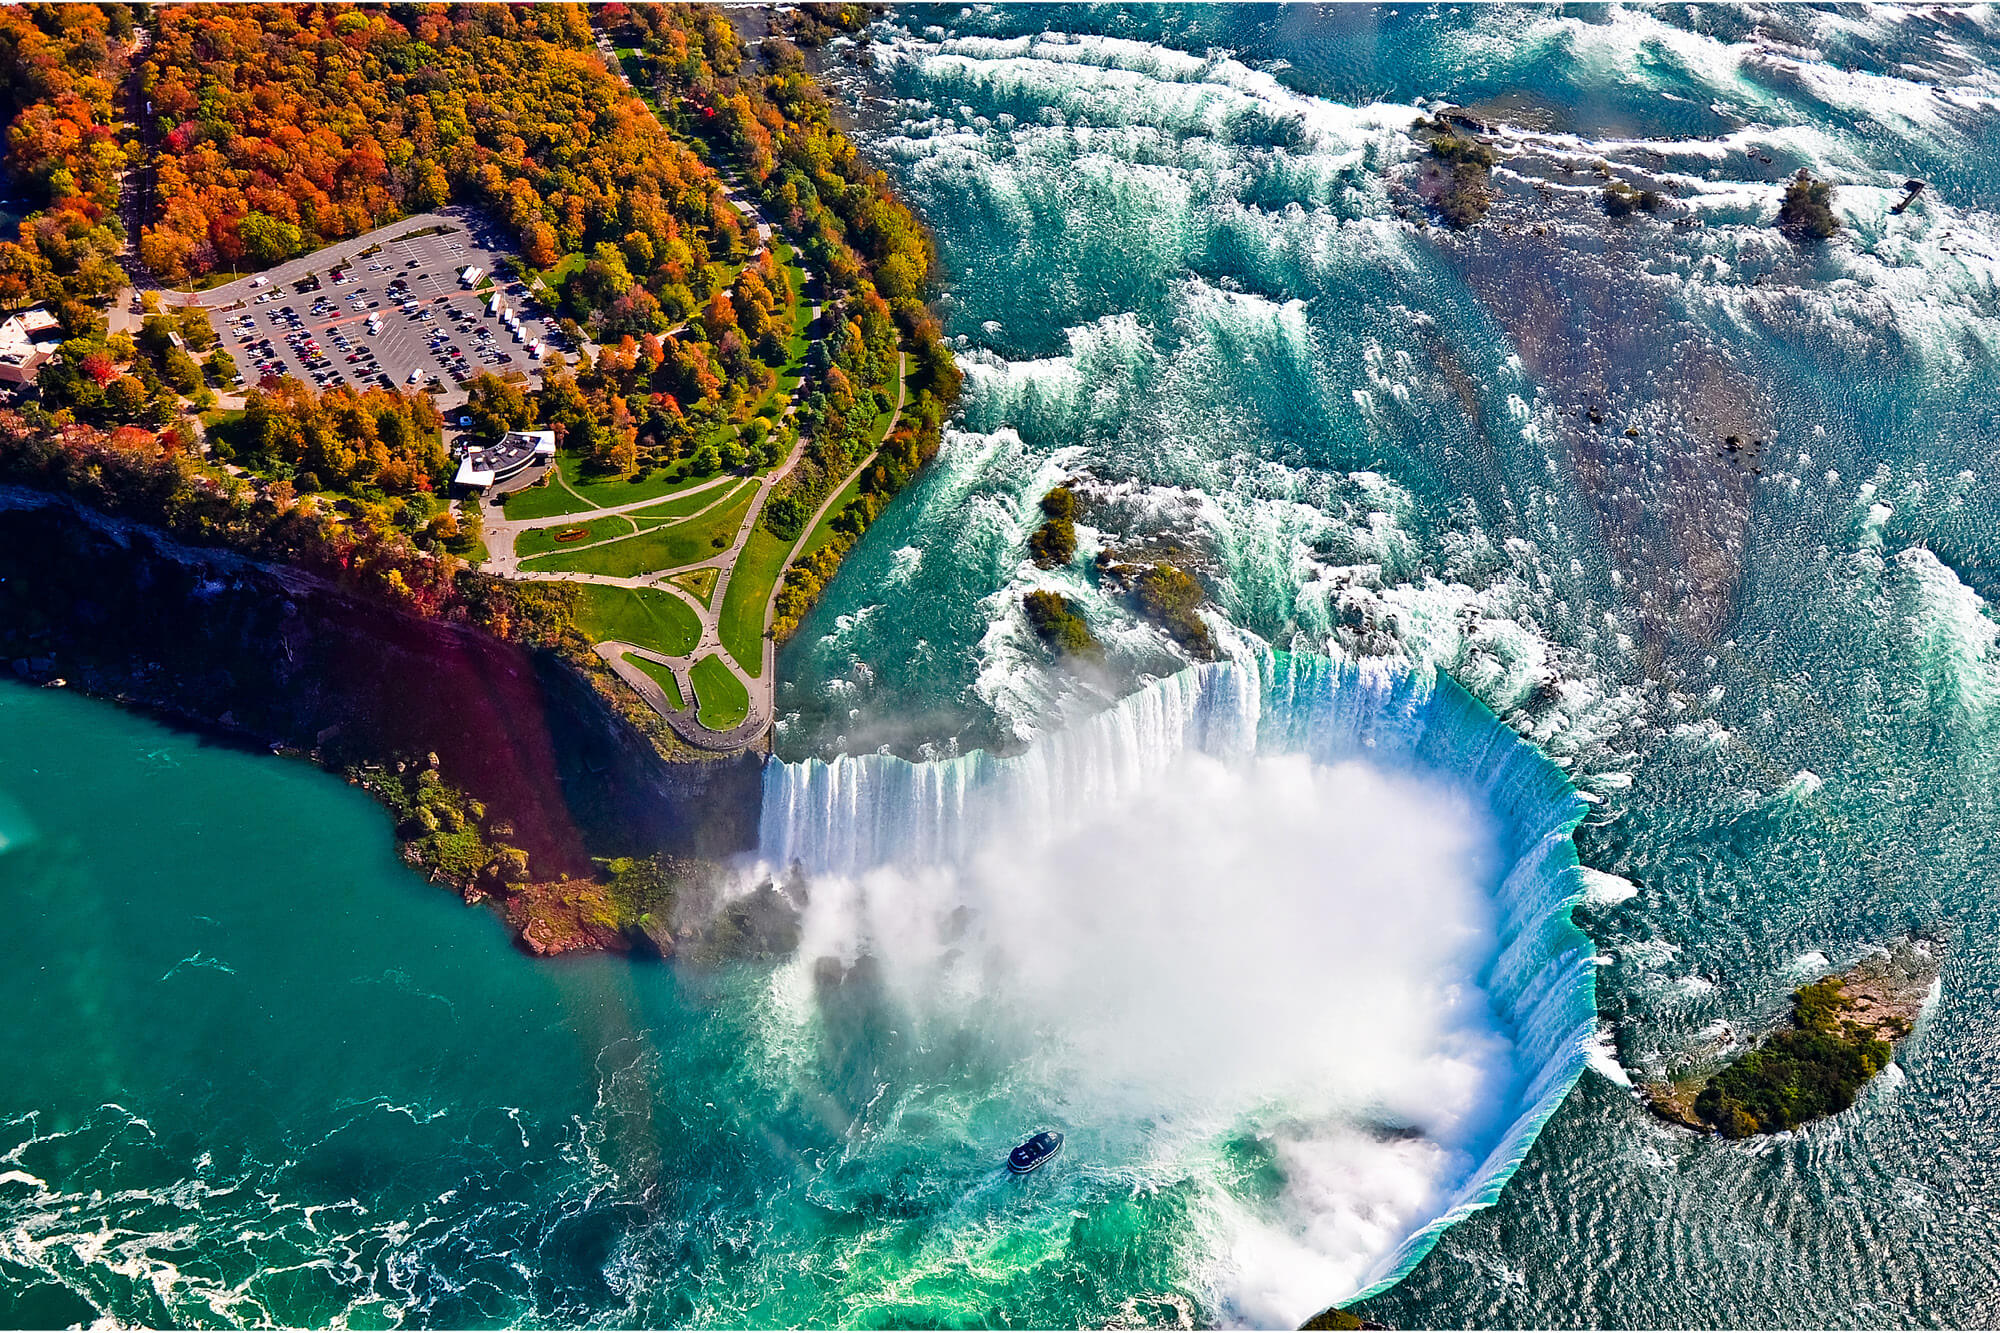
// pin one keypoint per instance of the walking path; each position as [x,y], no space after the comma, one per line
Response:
[812,524]
[761,687]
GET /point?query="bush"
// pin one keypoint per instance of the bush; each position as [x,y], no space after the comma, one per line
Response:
[1465,194]
[1810,1070]
[1807,213]
[1060,626]
[1170,595]
[1053,543]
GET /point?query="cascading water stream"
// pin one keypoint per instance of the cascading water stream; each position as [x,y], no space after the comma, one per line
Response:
[882,841]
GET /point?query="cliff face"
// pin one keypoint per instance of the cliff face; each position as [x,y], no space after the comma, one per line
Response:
[275,658]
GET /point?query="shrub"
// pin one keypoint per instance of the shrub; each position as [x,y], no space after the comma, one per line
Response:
[1810,1070]
[1465,194]
[1060,626]
[1170,595]
[1807,213]
[1053,543]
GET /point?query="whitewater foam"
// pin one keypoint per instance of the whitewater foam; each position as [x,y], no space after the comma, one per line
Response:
[1180,922]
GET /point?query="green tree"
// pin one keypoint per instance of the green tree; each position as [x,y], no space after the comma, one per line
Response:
[267,239]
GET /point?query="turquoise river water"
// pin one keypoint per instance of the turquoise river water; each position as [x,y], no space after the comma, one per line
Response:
[1294,947]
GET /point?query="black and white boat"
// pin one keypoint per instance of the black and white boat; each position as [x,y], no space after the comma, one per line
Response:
[1034,1152]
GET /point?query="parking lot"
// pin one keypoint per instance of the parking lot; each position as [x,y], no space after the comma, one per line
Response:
[388,310]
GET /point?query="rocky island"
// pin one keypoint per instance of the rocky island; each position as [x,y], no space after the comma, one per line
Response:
[1842,1032]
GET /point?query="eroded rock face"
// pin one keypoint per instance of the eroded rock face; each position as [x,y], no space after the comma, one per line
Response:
[276,658]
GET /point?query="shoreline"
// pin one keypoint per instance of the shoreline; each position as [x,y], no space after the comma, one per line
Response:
[268,658]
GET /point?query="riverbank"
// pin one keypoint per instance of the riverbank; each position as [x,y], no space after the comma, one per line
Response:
[267,657]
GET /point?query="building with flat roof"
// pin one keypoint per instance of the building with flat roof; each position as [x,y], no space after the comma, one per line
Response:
[27,341]
[487,464]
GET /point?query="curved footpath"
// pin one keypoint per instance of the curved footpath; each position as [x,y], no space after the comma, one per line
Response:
[762,687]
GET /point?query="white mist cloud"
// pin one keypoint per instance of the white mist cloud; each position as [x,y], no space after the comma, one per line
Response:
[1266,946]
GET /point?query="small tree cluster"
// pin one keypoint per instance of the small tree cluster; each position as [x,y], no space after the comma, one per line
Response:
[1807,212]
[1059,625]
[1812,1069]
[1460,171]
[1054,542]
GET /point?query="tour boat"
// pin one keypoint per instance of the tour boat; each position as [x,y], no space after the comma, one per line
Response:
[1034,1152]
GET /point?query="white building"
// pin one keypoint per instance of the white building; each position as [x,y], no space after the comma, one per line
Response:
[27,341]
[496,462]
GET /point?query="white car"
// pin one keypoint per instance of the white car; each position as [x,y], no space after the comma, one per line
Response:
[416,375]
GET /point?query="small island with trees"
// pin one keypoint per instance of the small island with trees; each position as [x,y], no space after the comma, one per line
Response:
[1842,1032]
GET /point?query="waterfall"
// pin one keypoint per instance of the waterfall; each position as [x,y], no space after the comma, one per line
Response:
[861,813]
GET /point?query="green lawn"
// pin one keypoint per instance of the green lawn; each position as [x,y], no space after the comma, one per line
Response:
[553,277]
[623,490]
[666,547]
[722,701]
[795,279]
[700,582]
[662,675]
[550,501]
[742,620]
[536,541]
[653,515]
[223,426]
[649,617]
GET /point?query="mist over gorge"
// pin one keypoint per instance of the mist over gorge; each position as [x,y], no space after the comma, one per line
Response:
[1279,910]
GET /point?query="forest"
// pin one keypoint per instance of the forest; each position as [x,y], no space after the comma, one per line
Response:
[281,128]
[270,130]
[59,72]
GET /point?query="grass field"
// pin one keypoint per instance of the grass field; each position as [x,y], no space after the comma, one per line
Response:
[553,277]
[721,700]
[536,541]
[649,617]
[662,675]
[653,515]
[741,623]
[550,501]
[700,582]
[666,547]
[623,490]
